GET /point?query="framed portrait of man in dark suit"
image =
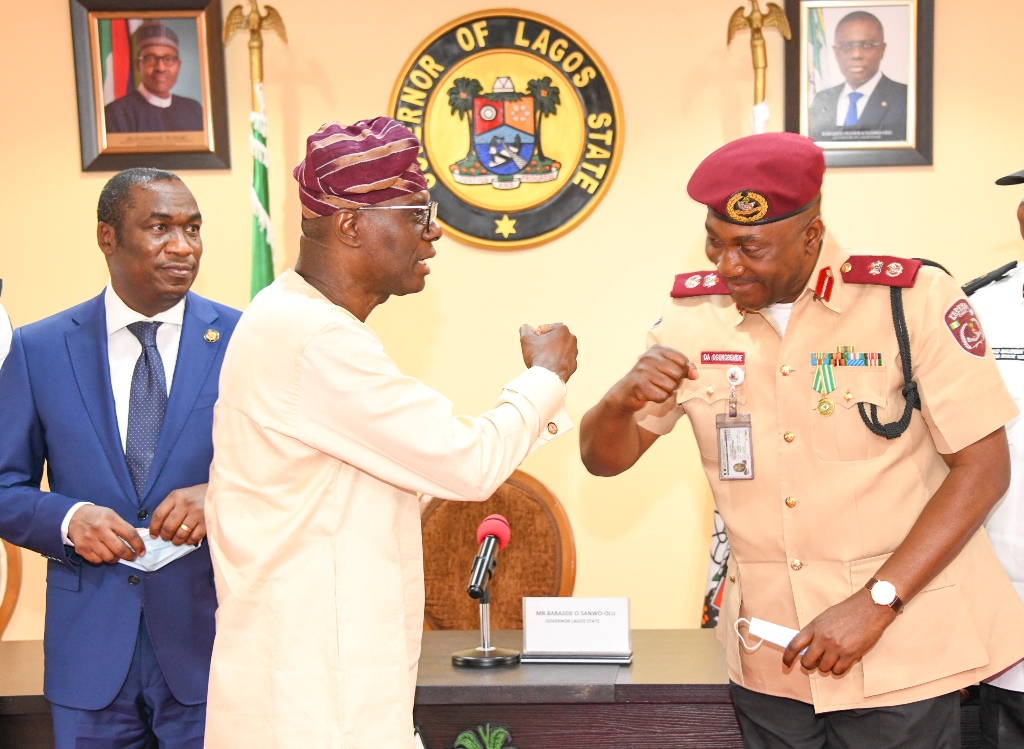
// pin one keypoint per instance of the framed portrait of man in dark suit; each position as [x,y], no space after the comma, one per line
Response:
[858,79]
[150,77]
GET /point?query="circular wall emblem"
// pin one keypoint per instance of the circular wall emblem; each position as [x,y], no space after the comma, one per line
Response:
[746,206]
[520,123]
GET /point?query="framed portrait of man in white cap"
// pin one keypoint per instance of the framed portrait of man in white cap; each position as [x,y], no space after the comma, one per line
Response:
[859,79]
[150,82]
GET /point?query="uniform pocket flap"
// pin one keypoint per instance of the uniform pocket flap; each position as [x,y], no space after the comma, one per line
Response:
[933,638]
[860,385]
[712,386]
[862,570]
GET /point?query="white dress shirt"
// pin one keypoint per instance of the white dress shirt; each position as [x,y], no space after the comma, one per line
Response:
[844,98]
[123,351]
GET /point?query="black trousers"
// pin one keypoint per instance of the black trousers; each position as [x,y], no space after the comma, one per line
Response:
[1002,718]
[771,722]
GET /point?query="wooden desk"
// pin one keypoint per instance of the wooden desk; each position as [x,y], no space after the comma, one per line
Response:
[675,694]
[25,720]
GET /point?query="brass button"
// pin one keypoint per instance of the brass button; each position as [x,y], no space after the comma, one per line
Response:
[786,370]
[710,391]
[732,578]
[848,396]
[552,427]
[789,436]
[790,502]
[846,268]
[796,564]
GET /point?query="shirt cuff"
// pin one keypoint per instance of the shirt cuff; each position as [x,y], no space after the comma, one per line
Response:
[67,522]
[545,391]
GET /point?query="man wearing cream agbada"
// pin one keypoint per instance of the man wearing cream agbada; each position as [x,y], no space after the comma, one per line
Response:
[321,444]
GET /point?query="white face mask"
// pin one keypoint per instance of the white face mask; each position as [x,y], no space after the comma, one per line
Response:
[158,552]
[776,634]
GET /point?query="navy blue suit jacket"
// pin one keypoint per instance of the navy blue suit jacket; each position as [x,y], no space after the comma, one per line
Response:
[57,406]
[885,110]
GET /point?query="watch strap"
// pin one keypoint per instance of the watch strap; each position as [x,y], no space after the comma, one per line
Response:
[896,604]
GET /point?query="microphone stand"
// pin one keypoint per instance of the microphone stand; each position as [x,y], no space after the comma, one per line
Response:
[485,656]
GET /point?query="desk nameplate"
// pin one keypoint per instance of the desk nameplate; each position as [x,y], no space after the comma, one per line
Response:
[576,630]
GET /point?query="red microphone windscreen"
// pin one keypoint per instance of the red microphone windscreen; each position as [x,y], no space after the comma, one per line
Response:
[497,526]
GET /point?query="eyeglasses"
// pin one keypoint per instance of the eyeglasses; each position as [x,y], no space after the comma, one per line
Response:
[850,46]
[167,60]
[425,214]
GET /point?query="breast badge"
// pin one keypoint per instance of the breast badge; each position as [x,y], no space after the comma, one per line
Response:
[520,124]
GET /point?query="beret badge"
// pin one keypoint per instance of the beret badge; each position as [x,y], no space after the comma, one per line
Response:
[746,206]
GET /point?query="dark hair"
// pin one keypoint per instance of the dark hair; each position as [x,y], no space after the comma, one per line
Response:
[862,15]
[116,195]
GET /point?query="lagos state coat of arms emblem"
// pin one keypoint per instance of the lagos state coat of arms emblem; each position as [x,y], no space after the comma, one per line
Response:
[520,125]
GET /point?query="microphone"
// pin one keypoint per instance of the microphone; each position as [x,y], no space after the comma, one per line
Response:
[492,535]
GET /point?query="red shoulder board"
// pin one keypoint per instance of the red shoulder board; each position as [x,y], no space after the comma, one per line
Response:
[881,270]
[699,283]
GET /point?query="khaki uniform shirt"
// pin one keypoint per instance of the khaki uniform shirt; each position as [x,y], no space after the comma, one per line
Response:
[830,500]
[320,445]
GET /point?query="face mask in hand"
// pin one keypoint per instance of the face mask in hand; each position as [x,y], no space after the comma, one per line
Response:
[159,553]
[776,634]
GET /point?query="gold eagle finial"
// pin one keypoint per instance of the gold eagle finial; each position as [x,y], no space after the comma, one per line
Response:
[256,24]
[253,21]
[755,21]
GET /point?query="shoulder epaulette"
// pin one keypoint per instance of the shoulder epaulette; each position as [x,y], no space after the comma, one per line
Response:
[698,283]
[993,275]
[881,270]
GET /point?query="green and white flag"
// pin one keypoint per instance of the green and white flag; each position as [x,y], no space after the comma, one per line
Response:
[817,48]
[262,273]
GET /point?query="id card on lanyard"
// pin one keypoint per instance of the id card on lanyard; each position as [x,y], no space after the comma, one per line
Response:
[735,442]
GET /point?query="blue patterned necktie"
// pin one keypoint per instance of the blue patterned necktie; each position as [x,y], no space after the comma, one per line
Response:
[146,406]
[851,112]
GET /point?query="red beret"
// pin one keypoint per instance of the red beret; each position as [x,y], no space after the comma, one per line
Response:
[760,178]
[365,163]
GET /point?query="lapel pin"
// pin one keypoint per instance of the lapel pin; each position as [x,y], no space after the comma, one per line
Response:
[211,336]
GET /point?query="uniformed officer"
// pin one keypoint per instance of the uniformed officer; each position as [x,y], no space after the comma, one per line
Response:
[781,357]
[999,302]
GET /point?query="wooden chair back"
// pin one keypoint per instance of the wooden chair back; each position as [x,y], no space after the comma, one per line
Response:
[540,559]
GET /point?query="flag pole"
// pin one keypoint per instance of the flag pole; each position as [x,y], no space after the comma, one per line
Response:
[262,268]
[755,21]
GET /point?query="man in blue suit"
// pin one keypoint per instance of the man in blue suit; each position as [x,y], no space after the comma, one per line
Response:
[869,106]
[116,397]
